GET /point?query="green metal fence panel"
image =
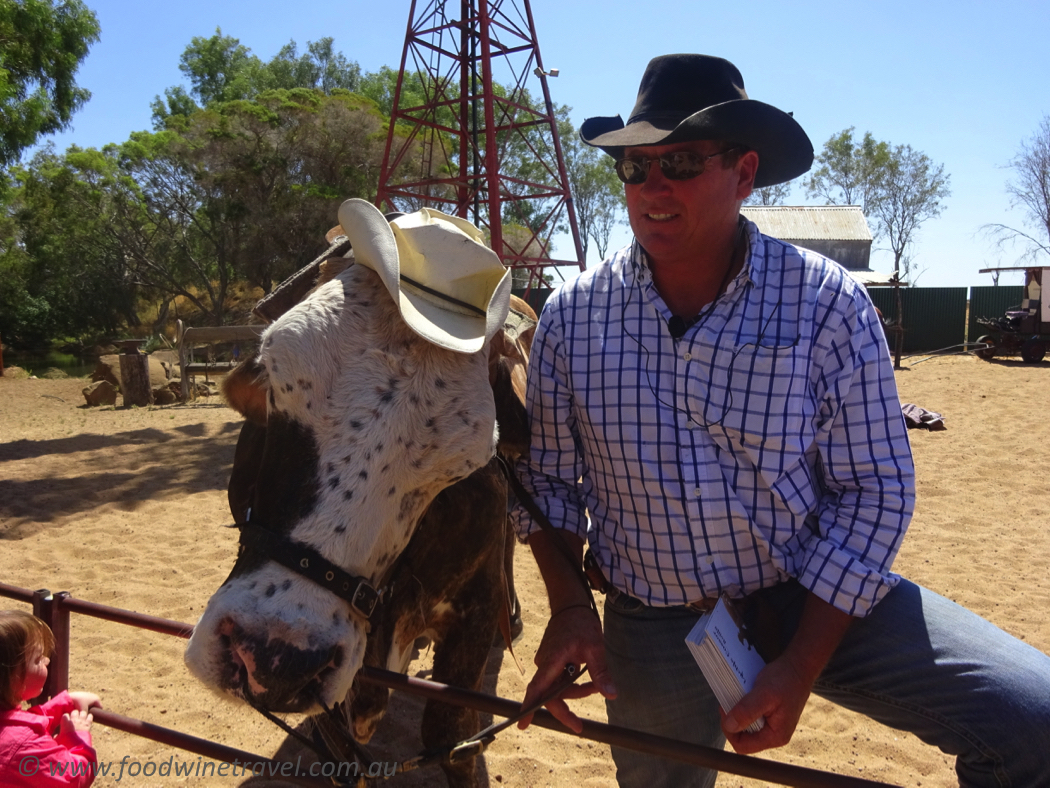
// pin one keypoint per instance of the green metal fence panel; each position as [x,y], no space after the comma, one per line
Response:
[991,302]
[934,317]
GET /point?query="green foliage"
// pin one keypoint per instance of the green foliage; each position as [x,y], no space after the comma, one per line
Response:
[597,193]
[220,70]
[898,188]
[769,195]
[42,44]
[62,276]
[849,172]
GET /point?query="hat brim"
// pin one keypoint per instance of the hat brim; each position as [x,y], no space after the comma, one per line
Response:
[436,320]
[783,147]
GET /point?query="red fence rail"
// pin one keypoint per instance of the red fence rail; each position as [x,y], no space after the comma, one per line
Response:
[55,610]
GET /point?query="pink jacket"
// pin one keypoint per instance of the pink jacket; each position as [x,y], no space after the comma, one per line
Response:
[31,758]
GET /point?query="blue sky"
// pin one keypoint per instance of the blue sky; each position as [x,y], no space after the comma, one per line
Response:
[964,82]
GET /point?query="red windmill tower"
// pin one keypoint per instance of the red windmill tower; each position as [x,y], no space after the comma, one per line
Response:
[468,138]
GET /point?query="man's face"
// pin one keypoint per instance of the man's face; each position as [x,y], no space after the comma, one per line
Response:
[672,219]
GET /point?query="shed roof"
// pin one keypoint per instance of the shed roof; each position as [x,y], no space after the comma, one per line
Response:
[810,222]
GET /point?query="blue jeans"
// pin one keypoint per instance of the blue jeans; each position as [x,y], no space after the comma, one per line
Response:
[917,663]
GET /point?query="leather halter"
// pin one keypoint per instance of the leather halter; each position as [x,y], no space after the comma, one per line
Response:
[307,562]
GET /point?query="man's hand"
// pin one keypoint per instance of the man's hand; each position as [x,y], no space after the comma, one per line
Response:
[780,694]
[782,688]
[573,636]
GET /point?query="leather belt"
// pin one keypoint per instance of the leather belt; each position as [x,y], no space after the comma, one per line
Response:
[703,606]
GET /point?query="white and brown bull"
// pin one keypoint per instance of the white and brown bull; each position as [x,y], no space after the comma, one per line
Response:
[369,455]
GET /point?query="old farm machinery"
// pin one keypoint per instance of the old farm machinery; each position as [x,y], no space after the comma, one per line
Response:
[1023,329]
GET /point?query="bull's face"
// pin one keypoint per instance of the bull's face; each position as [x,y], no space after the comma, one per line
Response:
[365,423]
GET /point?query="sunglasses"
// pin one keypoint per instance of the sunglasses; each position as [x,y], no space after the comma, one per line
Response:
[678,166]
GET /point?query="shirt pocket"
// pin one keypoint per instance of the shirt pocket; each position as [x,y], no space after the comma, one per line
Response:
[758,400]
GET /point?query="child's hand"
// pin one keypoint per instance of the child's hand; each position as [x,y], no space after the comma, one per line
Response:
[85,700]
[75,721]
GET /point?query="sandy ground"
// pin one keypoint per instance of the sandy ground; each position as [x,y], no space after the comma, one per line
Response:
[126,508]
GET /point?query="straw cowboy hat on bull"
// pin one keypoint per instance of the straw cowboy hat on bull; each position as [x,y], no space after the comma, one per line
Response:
[451,289]
[700,97]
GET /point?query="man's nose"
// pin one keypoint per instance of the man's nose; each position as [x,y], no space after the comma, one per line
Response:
[656,181]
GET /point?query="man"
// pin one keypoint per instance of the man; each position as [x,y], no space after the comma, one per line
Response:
[722,405]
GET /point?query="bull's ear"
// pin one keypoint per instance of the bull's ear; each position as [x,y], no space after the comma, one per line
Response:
[513,419]
[245,390]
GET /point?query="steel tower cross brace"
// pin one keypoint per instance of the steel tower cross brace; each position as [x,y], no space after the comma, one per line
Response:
[468,138]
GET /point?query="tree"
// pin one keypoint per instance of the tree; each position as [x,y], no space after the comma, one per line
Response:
[1029,190]
[220,68]
[849,172]
[42,44]
[320,67]
[597,194]
[769,195]
[911,190]
[63,277]
[238,191]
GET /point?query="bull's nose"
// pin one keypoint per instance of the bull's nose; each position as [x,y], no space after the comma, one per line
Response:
[275,674]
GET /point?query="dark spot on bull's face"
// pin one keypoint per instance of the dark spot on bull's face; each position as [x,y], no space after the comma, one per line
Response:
[431,423]
[333,482]
[363,474]
[391,491]
[439,383]
[385,468]
[289,388]
[354,424]
[306,384]
[287,489]
[271,589]
[286,585]
[348,495]
[339,529]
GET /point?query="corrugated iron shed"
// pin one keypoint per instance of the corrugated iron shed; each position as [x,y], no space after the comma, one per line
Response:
[810,222]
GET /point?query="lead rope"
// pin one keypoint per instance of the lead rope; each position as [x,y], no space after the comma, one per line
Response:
[330,750]
[476,744]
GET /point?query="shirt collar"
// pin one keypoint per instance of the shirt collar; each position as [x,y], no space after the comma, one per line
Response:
[750,271]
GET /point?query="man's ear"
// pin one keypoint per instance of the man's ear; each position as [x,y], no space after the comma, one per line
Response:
[747,168]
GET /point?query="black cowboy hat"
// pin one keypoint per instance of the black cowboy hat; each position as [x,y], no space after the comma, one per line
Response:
[699,97]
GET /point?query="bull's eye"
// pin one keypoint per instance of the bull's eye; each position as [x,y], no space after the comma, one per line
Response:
[329,576]
[305,563]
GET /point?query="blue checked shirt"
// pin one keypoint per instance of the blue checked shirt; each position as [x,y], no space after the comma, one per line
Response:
[766,443]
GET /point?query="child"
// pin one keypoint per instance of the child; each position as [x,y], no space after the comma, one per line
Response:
[49,744]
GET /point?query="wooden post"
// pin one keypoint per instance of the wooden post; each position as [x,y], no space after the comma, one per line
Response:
[134,375]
